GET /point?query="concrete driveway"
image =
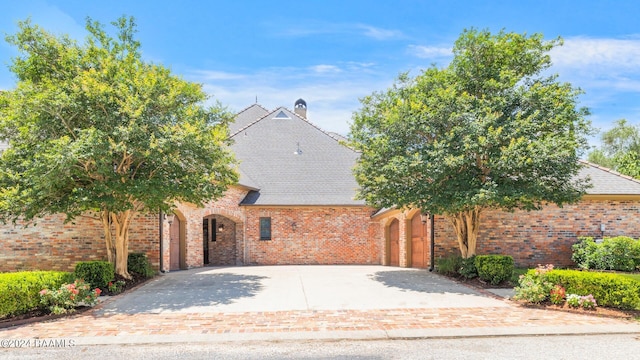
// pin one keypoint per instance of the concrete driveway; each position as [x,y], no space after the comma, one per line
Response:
[288,288]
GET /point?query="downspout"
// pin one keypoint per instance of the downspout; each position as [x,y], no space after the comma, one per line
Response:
[433,238]
[160,223]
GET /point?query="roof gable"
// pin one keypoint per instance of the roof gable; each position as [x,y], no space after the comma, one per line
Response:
[293,162]
[247,116]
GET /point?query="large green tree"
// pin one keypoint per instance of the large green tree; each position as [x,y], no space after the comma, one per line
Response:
[490,130]
[95,130]
[620,149]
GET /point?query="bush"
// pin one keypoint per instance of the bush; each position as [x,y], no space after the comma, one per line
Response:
[19,290]
[95,273]
[448,266]
[534,287]
[610,290]
[69,296]
[494,268]
[138,263]
[619,253]
[468,268]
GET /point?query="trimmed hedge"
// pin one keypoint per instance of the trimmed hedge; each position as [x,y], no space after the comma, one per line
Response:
[19,291]
[95,273]
[619,253]
[138,263]
[610,290]
[494,268]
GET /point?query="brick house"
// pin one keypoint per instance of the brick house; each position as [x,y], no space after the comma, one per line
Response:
[294,204]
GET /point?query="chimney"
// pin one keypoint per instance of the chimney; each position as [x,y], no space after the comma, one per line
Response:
[300,108]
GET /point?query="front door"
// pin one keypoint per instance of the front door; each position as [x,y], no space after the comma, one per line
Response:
[418,243]
[394,243]
[174,244]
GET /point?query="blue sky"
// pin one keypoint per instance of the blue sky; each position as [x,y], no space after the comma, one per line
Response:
[331,53]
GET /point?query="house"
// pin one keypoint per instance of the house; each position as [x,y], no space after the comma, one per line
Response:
[295,204]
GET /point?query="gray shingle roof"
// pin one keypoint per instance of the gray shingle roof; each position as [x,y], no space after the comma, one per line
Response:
[608,182]
[246,117]
[293,162]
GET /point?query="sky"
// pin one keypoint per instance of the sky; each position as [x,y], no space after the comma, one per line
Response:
[332,53]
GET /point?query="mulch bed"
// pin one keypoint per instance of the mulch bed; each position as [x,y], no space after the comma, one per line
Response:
[44,315]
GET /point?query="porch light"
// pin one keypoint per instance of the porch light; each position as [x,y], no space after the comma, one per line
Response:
[424,217]
[169,218]
[294,226]
[221,228]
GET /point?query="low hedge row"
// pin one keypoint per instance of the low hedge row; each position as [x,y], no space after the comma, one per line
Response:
[608,289]
[19,291]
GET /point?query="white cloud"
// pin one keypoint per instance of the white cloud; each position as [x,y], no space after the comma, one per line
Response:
[323,69]
[312,28]
[582,52]
[379,33]
[430,52]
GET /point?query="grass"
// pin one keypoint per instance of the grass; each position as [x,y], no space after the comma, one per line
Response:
[516,275]
[632,276]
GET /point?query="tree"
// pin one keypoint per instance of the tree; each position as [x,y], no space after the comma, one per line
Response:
[96,131]
[488,131]
[620,149]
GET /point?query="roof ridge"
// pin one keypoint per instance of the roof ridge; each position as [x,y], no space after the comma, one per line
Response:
[250,106]
[611,171]
[341,143]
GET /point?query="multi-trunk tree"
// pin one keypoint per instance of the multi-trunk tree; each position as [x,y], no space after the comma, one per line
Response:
[96,131]
[489,131]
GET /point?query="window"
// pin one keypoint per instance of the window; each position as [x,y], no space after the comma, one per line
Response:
[265,228]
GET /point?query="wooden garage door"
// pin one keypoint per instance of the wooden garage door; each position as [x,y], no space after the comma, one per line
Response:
[419,248]
[394,243]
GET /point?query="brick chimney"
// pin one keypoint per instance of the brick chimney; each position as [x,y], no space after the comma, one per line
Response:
[300,108]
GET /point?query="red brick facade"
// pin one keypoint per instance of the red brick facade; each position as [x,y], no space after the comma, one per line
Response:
[316,235]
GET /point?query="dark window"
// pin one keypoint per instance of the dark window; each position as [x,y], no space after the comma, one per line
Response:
[265,228]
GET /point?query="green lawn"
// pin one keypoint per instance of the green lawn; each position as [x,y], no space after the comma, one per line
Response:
[632,276]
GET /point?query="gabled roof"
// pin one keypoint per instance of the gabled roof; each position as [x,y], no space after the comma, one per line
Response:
[608,182]
[247,116]
[293,162]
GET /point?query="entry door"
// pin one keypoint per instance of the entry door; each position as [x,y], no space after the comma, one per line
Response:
[394,243]
[174,244]
[418,243]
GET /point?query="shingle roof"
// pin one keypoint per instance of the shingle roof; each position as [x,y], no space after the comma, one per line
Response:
[246,117]
[293,162]
[608,182]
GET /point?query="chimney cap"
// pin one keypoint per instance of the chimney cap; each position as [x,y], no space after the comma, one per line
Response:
[300,104]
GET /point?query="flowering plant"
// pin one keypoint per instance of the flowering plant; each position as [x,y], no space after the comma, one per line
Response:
[588,302]
[557,295]
[573,300]
[69,296]
[533,287]
[116,287]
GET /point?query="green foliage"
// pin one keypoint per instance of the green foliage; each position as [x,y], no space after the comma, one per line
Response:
[138,263]
[494,268]
[534,287]
[468,268]
[448,266]
[92,128]
[69,296]
[491,130]
[19,290]
[557,295]
[610,290]
[620,149]
[95,273]
[619,253]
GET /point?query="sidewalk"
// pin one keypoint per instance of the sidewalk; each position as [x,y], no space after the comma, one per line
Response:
[293,303]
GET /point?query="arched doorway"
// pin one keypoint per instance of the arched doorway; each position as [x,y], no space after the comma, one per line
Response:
[394,243]
[176,244]
[419,243]
[219,240]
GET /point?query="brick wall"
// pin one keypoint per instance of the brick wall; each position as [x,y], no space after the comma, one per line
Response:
[53,245]
[546,236]
[314,235]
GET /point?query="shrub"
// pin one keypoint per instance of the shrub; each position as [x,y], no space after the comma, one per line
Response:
[448,266]
[69,296]
[468,268]
[573,300]
[138,263]
[534,287]
[557,294]
[611,290]
[19,290]
[494,268]
[96,273]
[619,253]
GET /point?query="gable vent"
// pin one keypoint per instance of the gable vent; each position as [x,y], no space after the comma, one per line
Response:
[281,115]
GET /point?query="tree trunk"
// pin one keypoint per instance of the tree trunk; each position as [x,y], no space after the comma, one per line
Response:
[106,226]
[121,222]
[466,225]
